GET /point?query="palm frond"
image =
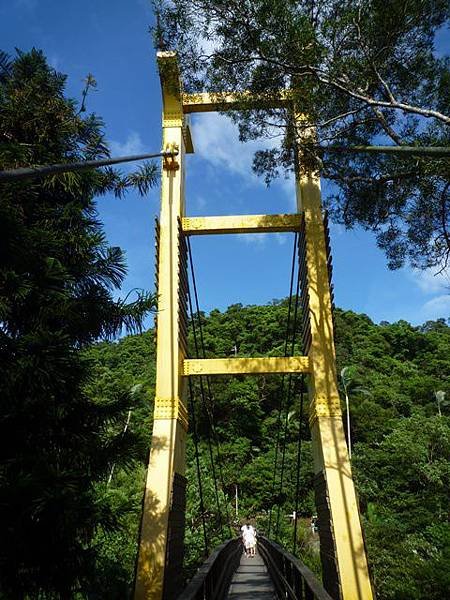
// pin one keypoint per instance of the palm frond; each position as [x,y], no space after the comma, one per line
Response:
[144,178]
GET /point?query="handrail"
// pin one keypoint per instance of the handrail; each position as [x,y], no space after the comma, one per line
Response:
[291,578]
[212,580]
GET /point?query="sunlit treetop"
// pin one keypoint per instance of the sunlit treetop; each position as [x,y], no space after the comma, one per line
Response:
[362,73]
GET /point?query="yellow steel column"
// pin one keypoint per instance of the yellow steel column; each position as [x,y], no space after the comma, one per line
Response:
[343,553]
[161,537]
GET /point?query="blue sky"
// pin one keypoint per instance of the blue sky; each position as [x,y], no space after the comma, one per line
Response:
[109,38]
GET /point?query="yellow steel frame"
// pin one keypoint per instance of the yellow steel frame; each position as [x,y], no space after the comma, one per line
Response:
[331,462]
[330,454]
[240,224]
[205,102]
[242,366]
[167,456]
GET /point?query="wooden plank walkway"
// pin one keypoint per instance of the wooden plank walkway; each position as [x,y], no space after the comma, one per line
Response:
[251,581]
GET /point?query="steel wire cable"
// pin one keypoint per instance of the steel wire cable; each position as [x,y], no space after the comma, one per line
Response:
[299,458]
[209,396]
[280,409]
[208,384]
[202,393]
[219,457]
[288,401]
[197,461]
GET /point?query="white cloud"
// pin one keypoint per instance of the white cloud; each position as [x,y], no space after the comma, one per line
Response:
[216,139]
[257,239]
[436,286]
[209,46]
[430,281]
[287,185]
[200,201]
[437,307]
[132,145]
[55,61]
[336,229]
[281,238]
[260,239]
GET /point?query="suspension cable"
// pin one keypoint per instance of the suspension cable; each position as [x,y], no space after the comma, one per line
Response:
[219,453]
[202,394]
[299,458]
[280,409]
[208,384]
[197,461]
[288,401]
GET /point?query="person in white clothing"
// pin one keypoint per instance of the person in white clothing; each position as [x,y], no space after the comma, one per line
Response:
[249,539]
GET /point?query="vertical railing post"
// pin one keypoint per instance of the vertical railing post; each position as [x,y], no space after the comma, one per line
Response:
[298,585]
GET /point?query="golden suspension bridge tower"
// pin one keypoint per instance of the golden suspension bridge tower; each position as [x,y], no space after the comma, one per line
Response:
[159,567]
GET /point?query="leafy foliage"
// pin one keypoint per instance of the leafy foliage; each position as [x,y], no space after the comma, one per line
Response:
[362,73]
[58,277]
[400,452]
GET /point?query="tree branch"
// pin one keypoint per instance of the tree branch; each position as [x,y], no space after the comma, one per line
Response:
[445,232]
[338,84]
[385,125]
[370,180]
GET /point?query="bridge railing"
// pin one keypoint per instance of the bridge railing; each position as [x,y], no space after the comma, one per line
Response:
[212,580]
[291,578]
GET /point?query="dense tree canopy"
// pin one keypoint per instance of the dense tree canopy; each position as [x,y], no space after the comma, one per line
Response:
[58,278]
[400,444]
[362,73]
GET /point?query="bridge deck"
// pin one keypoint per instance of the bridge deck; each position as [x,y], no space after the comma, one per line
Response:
[251,581]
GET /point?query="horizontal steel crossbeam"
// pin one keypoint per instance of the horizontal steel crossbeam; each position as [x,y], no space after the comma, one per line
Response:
[241,224]
[250,366]
[206,102]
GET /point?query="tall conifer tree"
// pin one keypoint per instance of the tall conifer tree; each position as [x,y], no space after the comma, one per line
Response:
[58,276]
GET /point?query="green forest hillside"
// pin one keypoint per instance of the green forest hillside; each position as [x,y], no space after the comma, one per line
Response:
[400,437]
